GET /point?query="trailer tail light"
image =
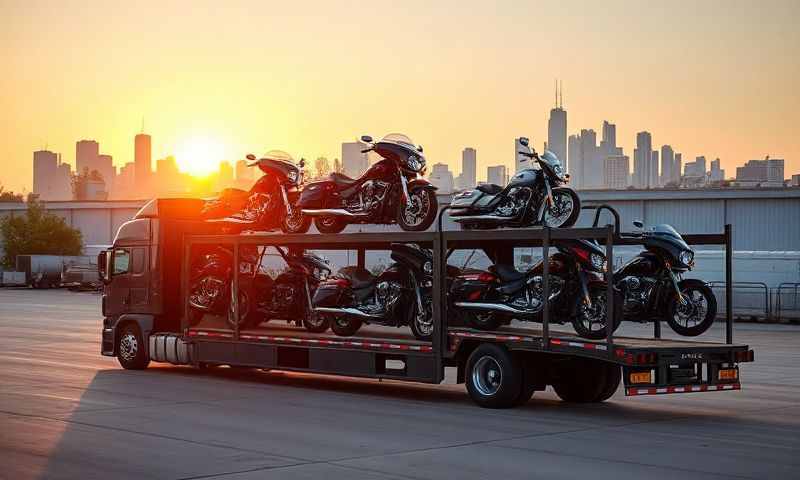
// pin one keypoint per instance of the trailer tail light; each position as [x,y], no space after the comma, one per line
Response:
[728,374]
[641,377]
[645,358]
[484,277]
[746,356]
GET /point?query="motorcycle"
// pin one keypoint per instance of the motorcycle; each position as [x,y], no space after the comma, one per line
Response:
[390,191]
[261,298]
[652,285]
[532,197]
[401,295]
[578,292]
[269,204]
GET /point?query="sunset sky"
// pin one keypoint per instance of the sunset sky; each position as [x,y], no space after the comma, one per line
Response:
[718,79]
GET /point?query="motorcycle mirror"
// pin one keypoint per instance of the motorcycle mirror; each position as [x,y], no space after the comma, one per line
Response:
[638,224]
[419,149]
[250,157]
[524,141]
[366,139]
[302,162]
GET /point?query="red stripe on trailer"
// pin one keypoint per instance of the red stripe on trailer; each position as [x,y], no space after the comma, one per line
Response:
[636,391]
[584,345]
[204,333]
[491,336]
[321,341]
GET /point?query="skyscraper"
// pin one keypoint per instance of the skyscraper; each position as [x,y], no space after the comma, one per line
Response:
[45,167]
[653,180]
[354,163]
[575,161]
[557,129]
[667,164]
[592,164]
[615,172]
[677,168]
[105,166]
[716,174]
[608,145]
[469,160]
[642,160]
[442,178]
[520,162]
[143,160]
[86,156]
[497,175]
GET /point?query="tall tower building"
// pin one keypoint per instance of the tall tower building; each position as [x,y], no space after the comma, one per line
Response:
[615,172]
[575,161]
[469,160]
[557,129]
[143,160]
[354,163]
[608,145]
[497,175]
[592,165]
[642,160]
[45,168]
[677,168]
[86,155]
[667,164]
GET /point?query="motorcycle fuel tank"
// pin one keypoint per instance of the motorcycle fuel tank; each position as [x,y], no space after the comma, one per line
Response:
[525,178]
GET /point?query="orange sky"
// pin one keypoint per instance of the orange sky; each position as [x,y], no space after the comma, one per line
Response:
[716,79]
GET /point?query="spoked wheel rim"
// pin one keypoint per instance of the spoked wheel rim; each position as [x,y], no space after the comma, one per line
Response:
[595,315]
[424,320]
[487,376]
[417,209]
[128,347]
[328,221]
[693,311]
[316,320]
[560,211]
[294,221]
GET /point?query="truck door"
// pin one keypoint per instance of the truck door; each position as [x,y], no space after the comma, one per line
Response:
[117,296]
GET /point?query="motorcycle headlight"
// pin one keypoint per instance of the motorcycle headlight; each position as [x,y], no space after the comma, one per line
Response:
[292,176]
[427,267]
[322,273]
[686,257]
[414,163]
[598,261]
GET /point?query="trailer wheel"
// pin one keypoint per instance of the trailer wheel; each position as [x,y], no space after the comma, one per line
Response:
[131,349]
[493,377]
[581,381]
[613,378]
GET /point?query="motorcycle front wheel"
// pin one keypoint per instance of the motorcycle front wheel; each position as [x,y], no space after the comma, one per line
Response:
[422,322]
[565,209]
[420,214]
[345,326]
[697,315]
[590,321]
[316,322]
[297,223]
[329,224]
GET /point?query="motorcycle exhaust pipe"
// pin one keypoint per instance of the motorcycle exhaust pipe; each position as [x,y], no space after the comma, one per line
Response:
[479,218]
[334,212]
[494,306]
[346,311]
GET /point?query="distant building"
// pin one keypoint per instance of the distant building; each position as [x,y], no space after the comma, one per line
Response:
[225,177]
[795,180]
[468,176]
[144,163]
[105,166]
[696,168]
[557,131]
[667,165]
[497,175]
[354,163]
[87,153]
[615,172]
[168,177]
[653,181]
[442,177]
[45,166]
[520,162]
[125,183]
[642,161]
[244,175]
[575,160]
[716,174]
[767,172]
[677,168]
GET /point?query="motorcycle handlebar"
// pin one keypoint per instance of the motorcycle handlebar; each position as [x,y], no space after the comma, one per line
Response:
[367,150]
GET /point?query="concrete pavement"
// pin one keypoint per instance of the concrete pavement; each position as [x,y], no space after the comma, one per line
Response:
[67,412]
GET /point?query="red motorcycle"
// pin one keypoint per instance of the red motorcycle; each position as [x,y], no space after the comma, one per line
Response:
[390,191]
[269,204]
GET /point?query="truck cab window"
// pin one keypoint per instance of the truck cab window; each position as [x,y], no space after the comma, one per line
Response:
[122,260]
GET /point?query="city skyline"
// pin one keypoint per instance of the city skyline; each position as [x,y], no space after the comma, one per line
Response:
[237,92]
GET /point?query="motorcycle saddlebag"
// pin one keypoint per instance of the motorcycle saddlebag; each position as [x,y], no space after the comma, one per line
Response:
[314,194]
[472,198]
[332,293]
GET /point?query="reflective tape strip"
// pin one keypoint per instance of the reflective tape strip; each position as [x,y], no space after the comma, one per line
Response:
[490,336]
[634,391]
[316,341]
[587,346]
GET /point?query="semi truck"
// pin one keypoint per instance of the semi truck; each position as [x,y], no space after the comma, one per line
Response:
[145,309]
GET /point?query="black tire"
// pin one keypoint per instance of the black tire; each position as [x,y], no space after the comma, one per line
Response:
[613,379]
[329,224]
[131,349]
[195,316]
[582,320]
[674,309]
[246,317]
[483,321]
[316,322]
[345,326]
[422,327]
[581,380]
[576,207]
[427,219]
[294,225]
[493,377]
[528,386]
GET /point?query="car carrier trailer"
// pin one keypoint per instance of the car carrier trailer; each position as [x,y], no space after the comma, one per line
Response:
[145,305]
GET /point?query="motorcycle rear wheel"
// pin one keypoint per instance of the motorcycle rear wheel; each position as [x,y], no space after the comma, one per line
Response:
[329,224]
[345,326]
[483,321]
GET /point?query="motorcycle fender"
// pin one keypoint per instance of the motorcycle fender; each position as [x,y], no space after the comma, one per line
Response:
[316,195]
[421,184]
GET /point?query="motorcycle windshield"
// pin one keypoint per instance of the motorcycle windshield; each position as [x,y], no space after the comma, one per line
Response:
[553,162]
[668,233]
[399,139]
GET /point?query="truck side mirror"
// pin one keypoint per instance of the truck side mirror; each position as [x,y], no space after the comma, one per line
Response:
[104,262]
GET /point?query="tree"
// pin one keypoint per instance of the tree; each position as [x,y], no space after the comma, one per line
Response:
[7,196]
[337,166]
[37,232]
[322,167]
[81,181]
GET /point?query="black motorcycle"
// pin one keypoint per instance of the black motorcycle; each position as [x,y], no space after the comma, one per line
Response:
[532,197]
[578,292]
[399,296]
[652,284]
[261,298]
[390,191]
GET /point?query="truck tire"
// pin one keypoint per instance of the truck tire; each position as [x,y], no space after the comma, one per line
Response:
[613,378]
[581,381]
[493,377]
[131,349]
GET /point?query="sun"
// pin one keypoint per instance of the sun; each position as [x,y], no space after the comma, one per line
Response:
[199,156]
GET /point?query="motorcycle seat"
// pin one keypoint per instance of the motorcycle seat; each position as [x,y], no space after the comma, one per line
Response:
[507,273]
[359,277]
[489,188]
[342,179]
